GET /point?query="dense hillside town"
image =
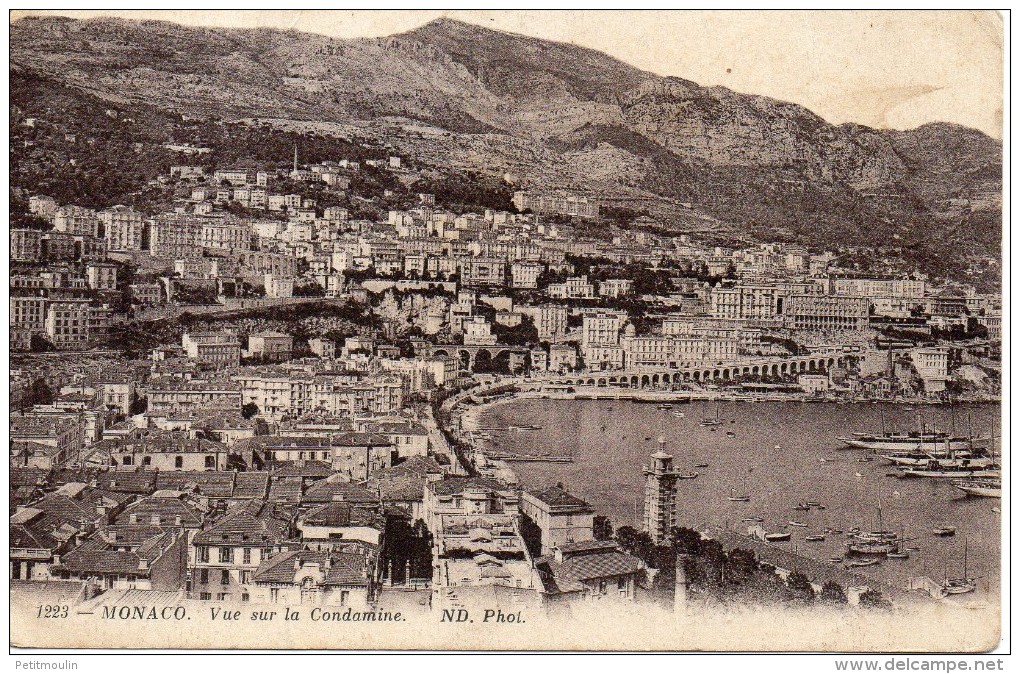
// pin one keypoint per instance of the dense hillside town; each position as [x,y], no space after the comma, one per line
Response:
[248,397]
[248,359]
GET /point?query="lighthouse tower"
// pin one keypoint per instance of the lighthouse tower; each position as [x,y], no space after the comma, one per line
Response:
[660,494]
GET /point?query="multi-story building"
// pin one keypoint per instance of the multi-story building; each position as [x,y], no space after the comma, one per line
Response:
[483,271]
[160,452]
[550,321]
[42,205]
[123,227]
[600,339]
[525,274]
[28,313]
[615,287]
[176,236]
[76,221]
[563,203]
[216,349]
[826,312]
[877,287]
[575,287]
[561,517]
[26,245]
[101,275]
[478,332]
[589,571]
[67,323]
[270,345]
[225,235]
[932,365]
[225,556]
[166,395]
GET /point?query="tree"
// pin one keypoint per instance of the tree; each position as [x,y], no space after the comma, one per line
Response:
[602,528]
[799,585]
[873,599]
[248,410]
[833,593]
[741,564]
[687,541]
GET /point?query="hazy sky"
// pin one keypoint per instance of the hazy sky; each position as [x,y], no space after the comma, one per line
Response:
[894,69]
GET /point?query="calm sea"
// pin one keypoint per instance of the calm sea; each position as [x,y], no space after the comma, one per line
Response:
[781,454]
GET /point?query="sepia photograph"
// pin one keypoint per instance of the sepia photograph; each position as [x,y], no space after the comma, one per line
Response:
[519,330]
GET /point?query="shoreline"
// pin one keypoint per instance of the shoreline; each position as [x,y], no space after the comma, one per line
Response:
[483,451]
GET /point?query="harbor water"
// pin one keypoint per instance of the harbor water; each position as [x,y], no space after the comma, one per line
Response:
[778,453]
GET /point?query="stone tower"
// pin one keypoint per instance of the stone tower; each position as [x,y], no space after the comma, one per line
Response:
[660,495]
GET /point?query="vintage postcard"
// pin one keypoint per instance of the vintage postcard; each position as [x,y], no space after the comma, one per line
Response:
[516,330]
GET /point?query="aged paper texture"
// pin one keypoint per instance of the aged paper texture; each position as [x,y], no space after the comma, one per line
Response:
[516,330]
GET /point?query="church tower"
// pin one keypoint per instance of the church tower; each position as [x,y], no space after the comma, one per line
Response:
[660,495]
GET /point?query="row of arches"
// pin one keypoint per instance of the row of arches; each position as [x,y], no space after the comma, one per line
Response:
[668,379]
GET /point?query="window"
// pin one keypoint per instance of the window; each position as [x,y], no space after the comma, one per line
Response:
[244,596]
[205,596]
[344,595]
[178,462]
[203,576]
[226,554]
[224,577]
[274,594]
[210,462]
[246,556]
[203,553]
[621,585]
[146,460]
[244,577]
[222,596]
[127,460]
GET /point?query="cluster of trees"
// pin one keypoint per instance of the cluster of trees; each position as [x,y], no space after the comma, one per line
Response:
[408,546]
[709,568]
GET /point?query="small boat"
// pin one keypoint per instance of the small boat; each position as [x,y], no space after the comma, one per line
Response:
[802,506]
[679,415]
[913,441]
[687,476]
[665,406]
[795,523]
[835,560]
[898,555]
[866,459]
[743,498]
[997,511]
[944,531]
[961,585]
[701,465]
[815,538]
[777,447]
[777,537]
[713,421]
[813,504]
[730,434]
[990,488]
[871,561]
[753,519]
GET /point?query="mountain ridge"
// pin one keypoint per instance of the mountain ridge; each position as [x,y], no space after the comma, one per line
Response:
[735,156]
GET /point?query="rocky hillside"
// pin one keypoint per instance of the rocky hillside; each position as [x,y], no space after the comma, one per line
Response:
[548,110]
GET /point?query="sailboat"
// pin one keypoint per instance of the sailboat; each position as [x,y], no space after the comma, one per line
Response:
[743,496]
[876,542]
[961,585]
[990,487]
[713,421]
